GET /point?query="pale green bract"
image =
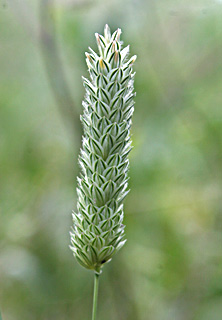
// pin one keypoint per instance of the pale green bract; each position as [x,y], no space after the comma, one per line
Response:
[98,230]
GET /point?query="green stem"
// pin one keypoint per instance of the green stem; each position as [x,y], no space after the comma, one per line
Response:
[95,295]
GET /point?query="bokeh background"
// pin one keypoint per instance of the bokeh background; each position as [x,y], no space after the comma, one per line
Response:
[171,267]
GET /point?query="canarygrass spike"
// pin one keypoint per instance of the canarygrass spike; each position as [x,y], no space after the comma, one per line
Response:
[98,230]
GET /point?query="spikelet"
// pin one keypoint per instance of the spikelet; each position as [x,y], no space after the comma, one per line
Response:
[98,230]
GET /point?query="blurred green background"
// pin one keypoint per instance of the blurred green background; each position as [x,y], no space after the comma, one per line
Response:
[171,267]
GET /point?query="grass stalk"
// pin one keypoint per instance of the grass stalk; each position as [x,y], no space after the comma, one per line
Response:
[95,295]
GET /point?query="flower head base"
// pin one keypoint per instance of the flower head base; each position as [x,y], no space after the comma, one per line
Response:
[98,230]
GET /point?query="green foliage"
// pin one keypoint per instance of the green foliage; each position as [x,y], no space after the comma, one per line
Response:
[98,230]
